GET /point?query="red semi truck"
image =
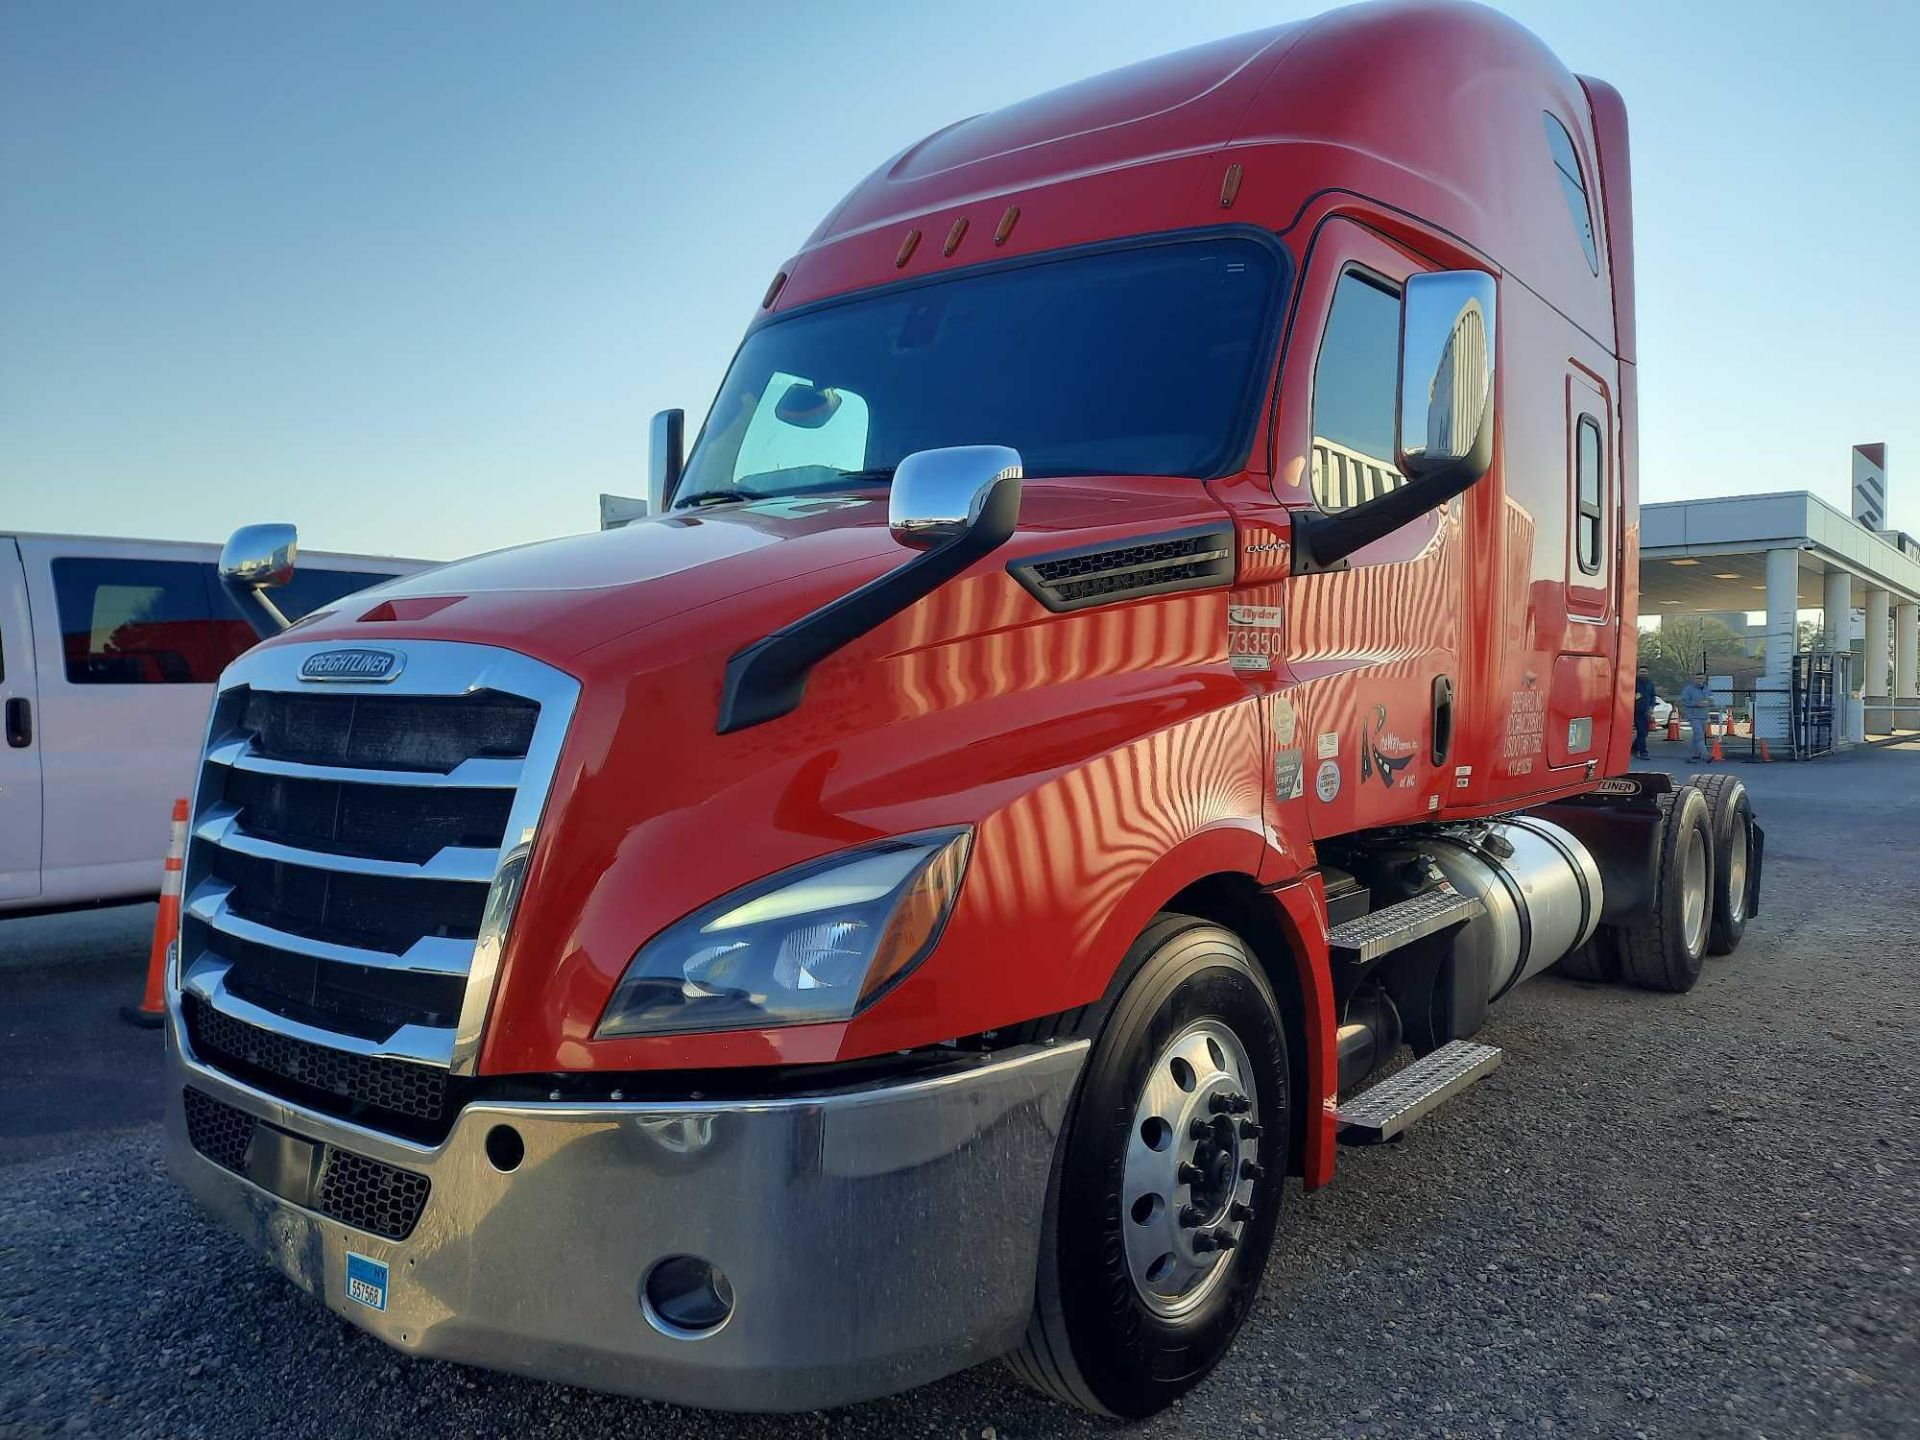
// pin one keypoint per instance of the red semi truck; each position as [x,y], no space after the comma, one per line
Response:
[1144,636]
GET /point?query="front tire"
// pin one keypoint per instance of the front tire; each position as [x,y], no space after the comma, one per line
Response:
[1167,1184]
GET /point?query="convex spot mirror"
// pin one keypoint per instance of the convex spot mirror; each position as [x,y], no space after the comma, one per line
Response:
[805,406]
[1444,428]
[260,557]
[942,495]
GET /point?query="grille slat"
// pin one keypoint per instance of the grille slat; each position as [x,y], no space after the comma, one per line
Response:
[393,732]
[375,912]
[354,1189]
[409,824]
[330,1079]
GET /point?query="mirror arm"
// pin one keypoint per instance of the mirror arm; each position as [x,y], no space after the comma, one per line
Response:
[264,617]
[766,679]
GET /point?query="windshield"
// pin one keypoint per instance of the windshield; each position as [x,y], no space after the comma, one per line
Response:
[1141,361]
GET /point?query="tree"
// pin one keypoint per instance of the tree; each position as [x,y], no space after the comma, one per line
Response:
[1685,643]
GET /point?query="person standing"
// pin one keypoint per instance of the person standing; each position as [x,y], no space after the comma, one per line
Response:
[1643,698]
[1694,696]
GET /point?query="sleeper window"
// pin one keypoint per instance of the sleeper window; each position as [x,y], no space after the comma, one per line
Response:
[1353,396]
[1589,492]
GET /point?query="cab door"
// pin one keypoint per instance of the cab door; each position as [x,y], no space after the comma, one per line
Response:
[20,798]
[1373,646]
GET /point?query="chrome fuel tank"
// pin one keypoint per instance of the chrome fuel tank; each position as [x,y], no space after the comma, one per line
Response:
[1540,886]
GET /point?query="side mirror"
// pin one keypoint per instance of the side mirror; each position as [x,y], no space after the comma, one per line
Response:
[963,490]
[1443,418]
[665,456]
[260,557]
[1444,429]
[256,559]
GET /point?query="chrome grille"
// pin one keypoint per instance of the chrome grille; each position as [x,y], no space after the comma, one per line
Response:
[353,859]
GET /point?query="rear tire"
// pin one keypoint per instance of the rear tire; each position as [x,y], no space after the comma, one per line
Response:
[1129,1312]
[1730,822]
[1597,962]
[1666,949]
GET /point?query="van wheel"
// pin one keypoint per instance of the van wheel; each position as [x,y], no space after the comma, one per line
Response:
[1730,822]
[1665,950]
[1166,1185]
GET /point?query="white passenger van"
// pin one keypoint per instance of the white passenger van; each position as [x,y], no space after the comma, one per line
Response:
[109,650]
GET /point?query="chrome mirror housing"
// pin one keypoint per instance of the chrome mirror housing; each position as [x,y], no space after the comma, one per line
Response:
[666,455]
[1445,420]
[941,495]
[260,557]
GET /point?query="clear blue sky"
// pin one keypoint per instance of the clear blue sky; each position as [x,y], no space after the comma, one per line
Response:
[414,275]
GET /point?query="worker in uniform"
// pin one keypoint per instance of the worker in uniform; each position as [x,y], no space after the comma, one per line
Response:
[1643,698]
[1694,696]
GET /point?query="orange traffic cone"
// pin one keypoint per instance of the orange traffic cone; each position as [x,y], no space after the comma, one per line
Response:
[1766,755]
[1716,756]
[152,1008]
[1673,727]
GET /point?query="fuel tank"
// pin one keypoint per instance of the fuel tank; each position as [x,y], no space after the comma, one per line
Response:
[1540,886]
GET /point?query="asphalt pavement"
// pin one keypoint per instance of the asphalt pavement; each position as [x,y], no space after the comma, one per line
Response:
[1664,1216]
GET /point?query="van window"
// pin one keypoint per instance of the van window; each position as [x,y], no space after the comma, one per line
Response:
[1566,164]
[1353,399]
[1589,489]
[167,622]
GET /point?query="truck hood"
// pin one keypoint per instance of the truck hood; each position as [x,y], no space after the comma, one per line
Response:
[738,570]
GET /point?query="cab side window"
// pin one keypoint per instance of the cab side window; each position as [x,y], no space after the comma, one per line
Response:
[1589,496]
[1353,399]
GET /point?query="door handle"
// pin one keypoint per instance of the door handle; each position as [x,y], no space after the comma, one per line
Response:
[19,723]
[1442,718]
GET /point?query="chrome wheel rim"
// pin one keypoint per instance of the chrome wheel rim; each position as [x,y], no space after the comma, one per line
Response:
[1192,1160]
[1693,891]
[1737,870]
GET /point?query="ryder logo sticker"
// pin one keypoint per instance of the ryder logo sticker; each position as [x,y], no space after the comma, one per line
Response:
[1253,636]
[360,666]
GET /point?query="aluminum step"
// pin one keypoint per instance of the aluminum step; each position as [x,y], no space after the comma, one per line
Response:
[1366,939]
[1389,1108]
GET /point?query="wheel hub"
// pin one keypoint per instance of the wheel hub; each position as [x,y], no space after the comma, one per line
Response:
[1191,1167]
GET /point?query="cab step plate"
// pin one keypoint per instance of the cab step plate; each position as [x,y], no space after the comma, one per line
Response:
[1363,940]
[1389,1108]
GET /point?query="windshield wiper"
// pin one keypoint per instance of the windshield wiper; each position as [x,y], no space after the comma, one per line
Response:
[734,496]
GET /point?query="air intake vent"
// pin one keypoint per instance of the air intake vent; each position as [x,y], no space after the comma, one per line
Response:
[1129,569]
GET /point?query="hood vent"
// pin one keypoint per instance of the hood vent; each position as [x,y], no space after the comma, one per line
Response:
[1129,569]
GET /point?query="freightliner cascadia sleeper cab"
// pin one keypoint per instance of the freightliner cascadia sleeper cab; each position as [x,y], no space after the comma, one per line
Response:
[1144,634]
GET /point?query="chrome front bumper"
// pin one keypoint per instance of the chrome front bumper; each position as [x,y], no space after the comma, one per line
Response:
[876,1238]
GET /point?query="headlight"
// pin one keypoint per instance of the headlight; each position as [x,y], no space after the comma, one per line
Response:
[810,944]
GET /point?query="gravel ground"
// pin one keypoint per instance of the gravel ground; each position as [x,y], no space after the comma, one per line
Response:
[1664,1216]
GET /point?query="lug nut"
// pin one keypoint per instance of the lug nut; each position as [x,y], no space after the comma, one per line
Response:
[1204,1241]
[1223,1238]
[1249,1129]
[1221,1103]
[1241,1104]
[1190,1174]
[1191,1216]
[1239,1212]
[1252,1170]
[1200,1129]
